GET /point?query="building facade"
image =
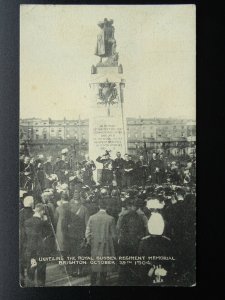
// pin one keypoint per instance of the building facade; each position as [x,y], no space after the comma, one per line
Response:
[170,136]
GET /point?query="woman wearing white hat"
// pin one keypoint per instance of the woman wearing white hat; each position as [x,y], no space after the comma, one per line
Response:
[158,253]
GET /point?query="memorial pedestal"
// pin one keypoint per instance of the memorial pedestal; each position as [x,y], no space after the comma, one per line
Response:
[107,123]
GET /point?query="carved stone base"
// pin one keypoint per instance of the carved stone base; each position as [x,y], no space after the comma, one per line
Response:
[107,123]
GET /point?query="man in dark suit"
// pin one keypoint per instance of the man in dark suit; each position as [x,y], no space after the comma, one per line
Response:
[48,170]
[141,171]
[62,168]
[131,228]
[37,229]
[118,169]
[48,166]
[107,171]
[154,169]
[161,169]
[101,236]
[87,168]
[128,167]
[26,174]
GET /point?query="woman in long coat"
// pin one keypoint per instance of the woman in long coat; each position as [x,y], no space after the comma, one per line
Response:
[63,220]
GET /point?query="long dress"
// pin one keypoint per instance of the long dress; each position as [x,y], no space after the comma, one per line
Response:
[62,232]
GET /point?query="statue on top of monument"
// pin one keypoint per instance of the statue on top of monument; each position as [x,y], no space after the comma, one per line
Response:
[106,43]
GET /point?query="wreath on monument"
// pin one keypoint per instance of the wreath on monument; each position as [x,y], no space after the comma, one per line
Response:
[108,93]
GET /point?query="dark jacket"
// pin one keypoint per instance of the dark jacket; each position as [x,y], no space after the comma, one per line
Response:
[141,169]
[107,163]
[132,229]
[48,168]
[151,247]
[78,220]
[153,164]
[118,164]
[37,231]
[24,214]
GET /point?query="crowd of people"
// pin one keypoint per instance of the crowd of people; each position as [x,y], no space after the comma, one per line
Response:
[137,209]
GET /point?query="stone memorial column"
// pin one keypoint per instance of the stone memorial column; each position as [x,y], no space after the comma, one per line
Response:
[107,122]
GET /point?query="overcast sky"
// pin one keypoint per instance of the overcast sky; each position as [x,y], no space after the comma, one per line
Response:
[156,46]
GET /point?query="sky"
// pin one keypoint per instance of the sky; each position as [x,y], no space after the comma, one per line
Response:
[156,45]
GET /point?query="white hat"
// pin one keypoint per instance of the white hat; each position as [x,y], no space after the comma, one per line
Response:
[53,177]
[154,203]
[22,192]
[64,151]
[71,178]
[62,187]
[28,201]
[156,224]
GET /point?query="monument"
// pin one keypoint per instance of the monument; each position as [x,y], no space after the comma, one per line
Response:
[107,123]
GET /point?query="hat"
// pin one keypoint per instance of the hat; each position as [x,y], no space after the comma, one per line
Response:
[64,151]
[154,204]
[104,191]
[51,191]
[46,196]
[71,178]
[53,177]
[22,193]
[114,193]
[62,187]
[28,201]
[156,224]
[132,193]
[85,188]
[159,190]
[168,191]
[180,190]
[107,152]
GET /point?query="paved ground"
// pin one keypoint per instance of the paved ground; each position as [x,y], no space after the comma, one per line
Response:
[57,276]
